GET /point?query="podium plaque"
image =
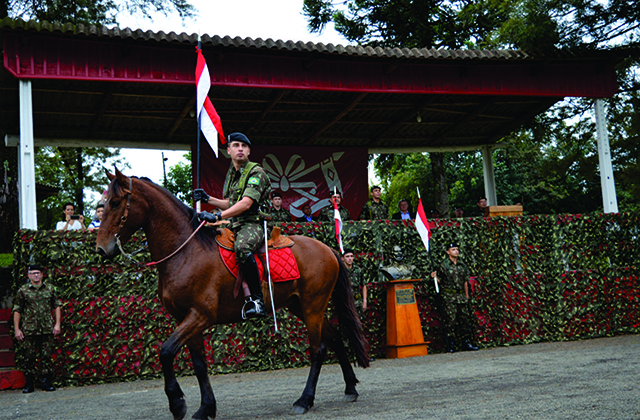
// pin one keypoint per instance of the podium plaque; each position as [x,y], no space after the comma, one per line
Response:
[404,330]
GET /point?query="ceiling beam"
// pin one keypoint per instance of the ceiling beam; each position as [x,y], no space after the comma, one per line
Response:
[277,96]
[396,150]
[188,106]
[12,140]
[355,101]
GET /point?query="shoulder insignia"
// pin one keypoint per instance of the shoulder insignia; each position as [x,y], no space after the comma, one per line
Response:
[253,181]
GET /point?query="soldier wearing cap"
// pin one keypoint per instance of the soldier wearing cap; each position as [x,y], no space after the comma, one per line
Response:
[246,189]
[278,213]
[327,213]
[35,328]
[358,286]
[375,208]
[453,278]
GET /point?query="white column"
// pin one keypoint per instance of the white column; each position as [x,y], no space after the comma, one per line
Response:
[609,198]
[489,180]
[26,160]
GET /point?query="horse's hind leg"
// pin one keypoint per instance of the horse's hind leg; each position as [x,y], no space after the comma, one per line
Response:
[207,400]
[332,337]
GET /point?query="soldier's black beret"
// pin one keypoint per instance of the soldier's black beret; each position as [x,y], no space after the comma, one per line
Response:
[452,245]
[276,194]
[238,137]
[348,251]
[35,267]
[375,187]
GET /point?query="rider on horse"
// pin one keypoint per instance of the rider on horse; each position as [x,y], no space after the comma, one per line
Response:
[246,189]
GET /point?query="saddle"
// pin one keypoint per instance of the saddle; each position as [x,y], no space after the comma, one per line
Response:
[226,238]
[282,263]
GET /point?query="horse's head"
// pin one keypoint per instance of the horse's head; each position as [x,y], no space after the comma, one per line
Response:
[123,214]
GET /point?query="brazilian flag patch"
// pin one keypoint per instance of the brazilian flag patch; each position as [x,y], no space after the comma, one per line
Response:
[253,181]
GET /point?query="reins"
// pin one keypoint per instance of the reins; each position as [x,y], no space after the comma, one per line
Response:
[123,220]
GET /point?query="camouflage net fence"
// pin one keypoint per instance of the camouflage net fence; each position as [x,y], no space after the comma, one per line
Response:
[537,278]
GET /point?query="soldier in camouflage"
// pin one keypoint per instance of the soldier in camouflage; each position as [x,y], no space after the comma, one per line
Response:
[278,213]
[246,190]
[375,208]
[35,328]
[453,279]
[358,286]
[327,213]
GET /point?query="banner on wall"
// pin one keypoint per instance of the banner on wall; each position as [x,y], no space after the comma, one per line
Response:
[303,175]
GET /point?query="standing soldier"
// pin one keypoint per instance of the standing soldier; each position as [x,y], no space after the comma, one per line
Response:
[34,326]
[358,285]
[246,189]
[453,278]
[374,209]
[278,213]
[326,214]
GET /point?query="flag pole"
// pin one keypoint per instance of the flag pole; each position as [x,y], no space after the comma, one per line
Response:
[198,138]
[435,279]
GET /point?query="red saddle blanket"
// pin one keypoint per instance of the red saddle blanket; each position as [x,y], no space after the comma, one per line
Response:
[282,264]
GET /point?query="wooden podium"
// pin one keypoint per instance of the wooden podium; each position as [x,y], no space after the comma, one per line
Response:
[494,211]
[404,331]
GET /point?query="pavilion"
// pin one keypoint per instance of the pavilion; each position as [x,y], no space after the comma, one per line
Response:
[89,86]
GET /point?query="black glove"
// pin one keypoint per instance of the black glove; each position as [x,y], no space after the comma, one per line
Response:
[211,218]
[200,195]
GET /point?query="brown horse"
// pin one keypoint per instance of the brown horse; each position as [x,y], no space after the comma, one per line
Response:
[197,289]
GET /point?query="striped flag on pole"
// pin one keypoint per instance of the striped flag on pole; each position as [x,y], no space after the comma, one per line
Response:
[208,119]
[422,225]
[338,219]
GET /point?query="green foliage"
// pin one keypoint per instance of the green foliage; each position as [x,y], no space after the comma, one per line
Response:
[6,260]
[536,278]
[180,180]
[73,171]
[90,11]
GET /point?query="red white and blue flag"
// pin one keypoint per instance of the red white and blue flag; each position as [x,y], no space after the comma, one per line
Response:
[208,118]
[338,219]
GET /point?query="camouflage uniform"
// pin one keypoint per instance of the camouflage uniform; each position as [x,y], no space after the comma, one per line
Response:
[374,211]
[357,282]
[248,227]
[34,304]
[458,319]
[327,214]
[279,216]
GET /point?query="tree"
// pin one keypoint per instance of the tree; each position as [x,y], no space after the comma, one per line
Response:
[90,11]
[74,171]
[553,165]
[180,180]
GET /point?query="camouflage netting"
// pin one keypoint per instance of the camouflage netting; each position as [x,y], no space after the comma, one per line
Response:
[538,278]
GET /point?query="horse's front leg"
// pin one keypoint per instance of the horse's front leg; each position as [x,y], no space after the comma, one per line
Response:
[192,325]
[317,352]
[207,400]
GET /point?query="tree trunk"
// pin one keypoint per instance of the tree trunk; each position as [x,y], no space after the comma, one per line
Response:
[440,181]
[79,193]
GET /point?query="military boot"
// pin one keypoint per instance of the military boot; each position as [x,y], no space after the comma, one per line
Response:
[28,388]
[47,384]
[255,305]
[468,346]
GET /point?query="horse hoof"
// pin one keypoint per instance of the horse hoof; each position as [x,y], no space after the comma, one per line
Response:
[181,408]
[299,410]
[350,397]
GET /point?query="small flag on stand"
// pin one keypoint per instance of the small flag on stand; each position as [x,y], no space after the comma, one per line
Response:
[338,219]
[208,118]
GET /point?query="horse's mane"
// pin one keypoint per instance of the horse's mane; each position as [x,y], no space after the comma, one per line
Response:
[203,235]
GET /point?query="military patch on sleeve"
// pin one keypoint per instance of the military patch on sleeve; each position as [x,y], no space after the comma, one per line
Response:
[254,180]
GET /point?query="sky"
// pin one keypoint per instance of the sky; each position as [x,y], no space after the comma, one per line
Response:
[276,19]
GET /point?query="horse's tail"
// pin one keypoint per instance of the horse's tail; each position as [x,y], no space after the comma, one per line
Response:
[344,305]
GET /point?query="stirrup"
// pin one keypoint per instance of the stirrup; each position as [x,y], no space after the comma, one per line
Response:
[253,308]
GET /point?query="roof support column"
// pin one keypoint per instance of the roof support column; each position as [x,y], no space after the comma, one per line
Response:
[489,180]
[26,160]
[609,198]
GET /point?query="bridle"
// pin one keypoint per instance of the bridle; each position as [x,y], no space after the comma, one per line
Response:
[123,220]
